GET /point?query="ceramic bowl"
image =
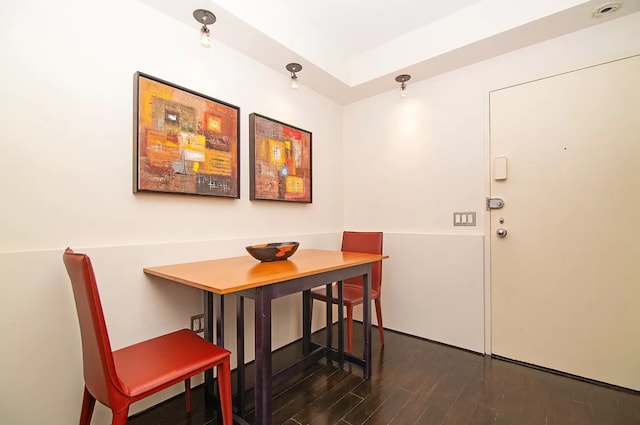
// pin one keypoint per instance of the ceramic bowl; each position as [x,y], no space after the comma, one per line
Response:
[274,251]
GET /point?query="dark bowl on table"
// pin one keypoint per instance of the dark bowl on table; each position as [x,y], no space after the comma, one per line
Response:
[274,251]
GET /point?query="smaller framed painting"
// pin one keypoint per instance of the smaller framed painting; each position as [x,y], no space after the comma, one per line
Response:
[280,161]
[185,142]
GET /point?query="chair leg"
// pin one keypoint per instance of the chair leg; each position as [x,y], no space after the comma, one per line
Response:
[88,403]
[187,394]
[349,329]
[379,317]
[121,417]
[224,388]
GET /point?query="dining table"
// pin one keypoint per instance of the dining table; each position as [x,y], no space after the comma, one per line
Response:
[246,277]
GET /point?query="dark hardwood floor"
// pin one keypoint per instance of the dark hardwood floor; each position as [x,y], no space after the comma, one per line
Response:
[421,382]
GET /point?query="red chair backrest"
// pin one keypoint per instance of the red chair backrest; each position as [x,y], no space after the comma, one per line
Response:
[371,243]
[97,357]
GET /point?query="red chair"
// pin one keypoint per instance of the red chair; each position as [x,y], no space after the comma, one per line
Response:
[119,378]
[371,243]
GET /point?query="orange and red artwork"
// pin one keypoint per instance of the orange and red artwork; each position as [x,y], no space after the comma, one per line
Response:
[280,157]
[186,142]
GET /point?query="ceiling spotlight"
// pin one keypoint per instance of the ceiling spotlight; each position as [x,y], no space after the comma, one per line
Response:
[293,68]
[205,18]
[402,79]
[606,9]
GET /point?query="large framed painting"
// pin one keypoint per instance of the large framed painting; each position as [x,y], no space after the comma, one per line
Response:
[280,161]
[185,142]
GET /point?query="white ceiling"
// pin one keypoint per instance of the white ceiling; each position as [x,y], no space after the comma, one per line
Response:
[353,49]
[353,26]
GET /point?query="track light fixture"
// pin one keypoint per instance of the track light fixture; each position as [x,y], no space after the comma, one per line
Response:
[293,68]
[402,79]
[205,18]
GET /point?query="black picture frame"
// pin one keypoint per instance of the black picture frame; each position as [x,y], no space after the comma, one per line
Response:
[185,142]
[280,158]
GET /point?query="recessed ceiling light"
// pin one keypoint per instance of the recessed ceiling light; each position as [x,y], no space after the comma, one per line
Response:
[606,9]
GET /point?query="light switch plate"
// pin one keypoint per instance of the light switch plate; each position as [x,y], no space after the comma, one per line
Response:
[467,218]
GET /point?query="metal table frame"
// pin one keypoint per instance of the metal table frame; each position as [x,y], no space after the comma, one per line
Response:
[263,295]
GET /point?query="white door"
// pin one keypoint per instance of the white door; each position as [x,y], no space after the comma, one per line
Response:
[565,280]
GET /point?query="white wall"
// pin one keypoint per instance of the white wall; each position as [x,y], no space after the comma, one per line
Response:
[67,101]
[411,162]
[66,169]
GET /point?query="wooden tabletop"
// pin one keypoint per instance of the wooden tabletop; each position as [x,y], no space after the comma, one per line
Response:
[228,275]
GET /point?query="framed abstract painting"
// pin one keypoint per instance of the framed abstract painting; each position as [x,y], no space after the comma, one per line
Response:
[185,142]
[280,161]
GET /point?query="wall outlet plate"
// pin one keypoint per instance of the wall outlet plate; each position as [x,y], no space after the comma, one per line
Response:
[197,323]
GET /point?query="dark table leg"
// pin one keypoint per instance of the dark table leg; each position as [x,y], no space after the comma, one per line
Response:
[366,321]
[328,298]
[263,369]
[340,324]
[240,353]
[208,335]
[219,309]
[306,321]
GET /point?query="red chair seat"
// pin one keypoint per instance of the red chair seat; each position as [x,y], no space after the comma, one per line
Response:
[163,361]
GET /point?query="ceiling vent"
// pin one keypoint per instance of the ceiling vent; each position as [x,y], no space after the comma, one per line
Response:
[607,9]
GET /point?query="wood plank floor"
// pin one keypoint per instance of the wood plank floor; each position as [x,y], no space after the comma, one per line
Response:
[421,382]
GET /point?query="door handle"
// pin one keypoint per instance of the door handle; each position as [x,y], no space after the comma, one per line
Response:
[501,232]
